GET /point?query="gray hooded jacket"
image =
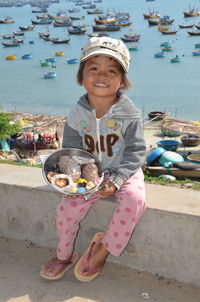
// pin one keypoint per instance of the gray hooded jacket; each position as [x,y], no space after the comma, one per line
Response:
[119,134]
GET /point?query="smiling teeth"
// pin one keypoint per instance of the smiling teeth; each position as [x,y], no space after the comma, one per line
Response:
[101,85]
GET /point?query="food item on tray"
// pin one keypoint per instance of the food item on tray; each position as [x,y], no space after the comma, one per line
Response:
[50,174]
[73,174]
[69,167]
[90,172]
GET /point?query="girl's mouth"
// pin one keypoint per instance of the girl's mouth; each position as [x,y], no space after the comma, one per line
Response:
[101,85]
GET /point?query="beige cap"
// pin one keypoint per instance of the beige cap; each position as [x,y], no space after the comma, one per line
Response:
[109,47]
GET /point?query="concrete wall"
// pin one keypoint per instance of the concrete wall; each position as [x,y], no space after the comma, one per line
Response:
[166,241]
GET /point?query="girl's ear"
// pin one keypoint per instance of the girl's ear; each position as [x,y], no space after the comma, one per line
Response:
[121,85]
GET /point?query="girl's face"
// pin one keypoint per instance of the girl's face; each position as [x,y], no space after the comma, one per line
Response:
[102,77]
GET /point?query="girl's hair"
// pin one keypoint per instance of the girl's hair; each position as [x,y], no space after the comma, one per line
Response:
[126,83]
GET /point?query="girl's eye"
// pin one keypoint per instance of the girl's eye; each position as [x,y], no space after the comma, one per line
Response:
[93,68]
[112,71]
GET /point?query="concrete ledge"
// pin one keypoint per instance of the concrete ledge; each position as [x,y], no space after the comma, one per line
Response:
[166,241]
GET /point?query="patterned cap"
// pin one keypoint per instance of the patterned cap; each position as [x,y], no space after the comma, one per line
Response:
[109,47]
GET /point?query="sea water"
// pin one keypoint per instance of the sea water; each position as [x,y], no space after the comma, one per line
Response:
[158,85]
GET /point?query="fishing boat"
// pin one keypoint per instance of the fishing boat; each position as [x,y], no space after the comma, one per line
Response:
[89,6]
[168,32]
[11,44]
[72,61]
[157,115]
[59,53]
[8,36]
[59,15]
[18,40]
[158,170]
[123,22]
[192,12]
[133,48]
[46,38]
[175,59]
[18,33]
[165,44]
[62,23]
[196,52]
[151,15]
[105,20]
[160,54]
[60,41]
[26,56]
[186,25]
[130,38]
[39,10]
[96,11]
[100,34]
[7,20]
[11,57]
[41,22]
[167,48]
[77,31]
[162,28]
[45,63]
[197,45]
[45,16]
[27,28]
[194,33]
[74,10]
[197,26]
[106,27]
[41,35]
[50,75]
[52,60]
[160,21]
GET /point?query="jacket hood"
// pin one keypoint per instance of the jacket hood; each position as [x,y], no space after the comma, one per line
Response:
[123,109]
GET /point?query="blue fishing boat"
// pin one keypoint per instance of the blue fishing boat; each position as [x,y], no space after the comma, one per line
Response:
[26,56]
[50,75]
[72,61]
[52,60]
[160,54]
[196,52]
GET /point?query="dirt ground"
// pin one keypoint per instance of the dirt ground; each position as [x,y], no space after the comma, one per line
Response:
[20,281]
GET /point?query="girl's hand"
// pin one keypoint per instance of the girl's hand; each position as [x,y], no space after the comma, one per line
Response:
[107,189]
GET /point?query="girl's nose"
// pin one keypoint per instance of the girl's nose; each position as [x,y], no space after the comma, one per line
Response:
[102,73]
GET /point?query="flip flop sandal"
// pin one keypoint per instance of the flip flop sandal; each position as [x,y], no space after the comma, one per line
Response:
[60,266]
[84,262]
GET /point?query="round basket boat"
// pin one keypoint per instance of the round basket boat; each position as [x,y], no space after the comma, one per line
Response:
[194,158]
[169,145]
[157,115]
[190,140]
[50,164]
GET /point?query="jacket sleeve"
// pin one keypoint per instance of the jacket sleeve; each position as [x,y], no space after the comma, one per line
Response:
[71,138]
[133,155]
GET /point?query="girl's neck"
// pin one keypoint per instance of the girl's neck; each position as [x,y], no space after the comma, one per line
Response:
[101,105]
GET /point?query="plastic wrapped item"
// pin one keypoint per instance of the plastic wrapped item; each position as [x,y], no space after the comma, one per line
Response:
[90,172]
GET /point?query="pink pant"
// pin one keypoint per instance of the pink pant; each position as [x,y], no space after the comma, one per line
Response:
[130,207]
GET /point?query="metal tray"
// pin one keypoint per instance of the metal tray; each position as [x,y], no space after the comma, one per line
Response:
[53,158]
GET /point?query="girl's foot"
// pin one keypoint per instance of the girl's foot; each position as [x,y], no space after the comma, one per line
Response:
[91,263]
[55,268]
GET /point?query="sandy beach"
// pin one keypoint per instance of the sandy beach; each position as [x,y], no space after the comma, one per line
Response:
[47,124]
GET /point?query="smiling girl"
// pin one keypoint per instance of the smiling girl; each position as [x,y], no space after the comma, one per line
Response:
[104,122]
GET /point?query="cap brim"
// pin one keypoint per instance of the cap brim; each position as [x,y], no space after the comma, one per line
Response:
[105,52]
